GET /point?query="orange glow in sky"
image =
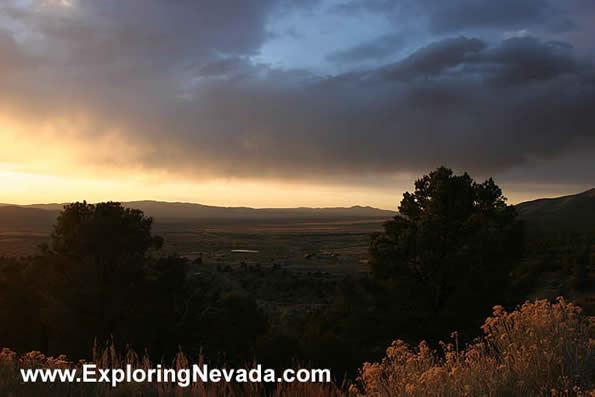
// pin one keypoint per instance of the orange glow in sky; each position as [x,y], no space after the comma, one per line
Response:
[53,165]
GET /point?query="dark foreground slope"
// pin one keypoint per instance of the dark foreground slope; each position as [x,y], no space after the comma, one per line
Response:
[573,213]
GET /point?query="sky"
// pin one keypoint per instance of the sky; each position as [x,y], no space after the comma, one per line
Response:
[282,103]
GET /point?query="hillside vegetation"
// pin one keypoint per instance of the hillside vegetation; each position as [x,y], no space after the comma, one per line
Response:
[539,349]
[331,299]
[573,213]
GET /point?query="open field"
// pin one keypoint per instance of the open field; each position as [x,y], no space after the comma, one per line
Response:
[289,267]
[21,242]
[332,245]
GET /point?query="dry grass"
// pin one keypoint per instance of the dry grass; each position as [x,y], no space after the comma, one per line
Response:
[537,350]
[108,357]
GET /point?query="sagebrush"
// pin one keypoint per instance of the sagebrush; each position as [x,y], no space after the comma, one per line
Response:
[539,349]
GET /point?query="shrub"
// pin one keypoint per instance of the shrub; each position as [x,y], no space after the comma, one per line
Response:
[538,349]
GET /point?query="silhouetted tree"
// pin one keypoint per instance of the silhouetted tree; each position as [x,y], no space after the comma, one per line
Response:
[456,237]
[20,306]
[105,232]
[97,284]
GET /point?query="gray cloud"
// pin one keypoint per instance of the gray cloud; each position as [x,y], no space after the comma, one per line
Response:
[179,83]
[378,49]
[13,58]
[451,109]
[448,17]
[435,58]
[526,59]
[270,123]
[452,16]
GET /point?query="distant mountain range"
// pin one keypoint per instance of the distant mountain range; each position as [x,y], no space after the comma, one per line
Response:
[574,212]
[35,215]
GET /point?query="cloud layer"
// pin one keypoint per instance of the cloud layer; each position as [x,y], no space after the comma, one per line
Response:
[484,87]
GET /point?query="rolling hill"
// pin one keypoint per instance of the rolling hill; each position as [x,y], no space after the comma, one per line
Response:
[43,215]
[568,213]
[189,211]
[13,217]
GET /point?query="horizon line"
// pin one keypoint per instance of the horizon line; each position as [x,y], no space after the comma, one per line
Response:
[257,208]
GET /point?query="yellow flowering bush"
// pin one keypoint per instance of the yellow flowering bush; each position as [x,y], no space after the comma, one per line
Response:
[538,349]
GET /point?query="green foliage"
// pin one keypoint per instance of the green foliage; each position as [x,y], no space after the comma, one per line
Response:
[439,266]
[97,281]
[457,237]
[232,325]
[580,269]
[21,304]
[98,261]
[105,232]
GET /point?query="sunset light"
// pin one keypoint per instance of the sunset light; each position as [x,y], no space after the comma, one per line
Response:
[297,198]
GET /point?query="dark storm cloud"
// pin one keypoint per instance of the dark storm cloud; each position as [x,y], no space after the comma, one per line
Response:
[525,59]
[220,67]
[376,49]
[476,106]
[179,84]
[435,58]
[515,61]
[108,30]
[448,17]
[452,16]
[272,123]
